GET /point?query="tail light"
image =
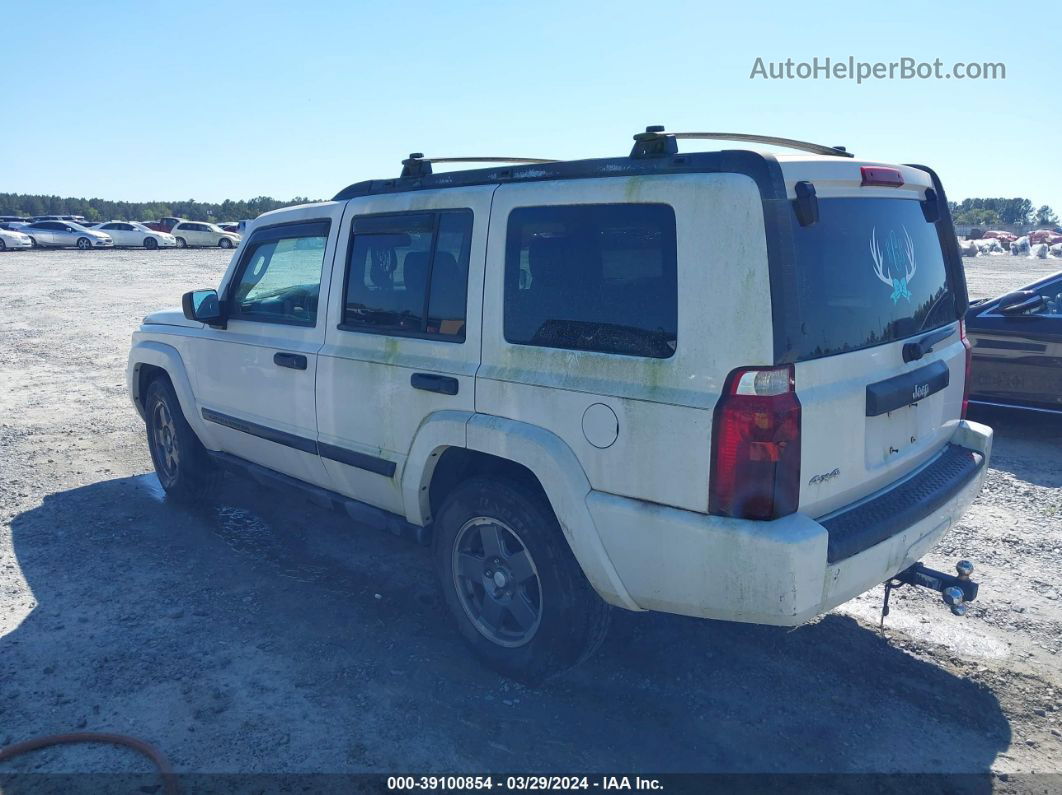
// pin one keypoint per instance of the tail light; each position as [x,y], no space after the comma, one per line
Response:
[756,445]
[969,363]
[881,175]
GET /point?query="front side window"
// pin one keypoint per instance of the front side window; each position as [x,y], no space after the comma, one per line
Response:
[280,276]
[407,274]
[593,277]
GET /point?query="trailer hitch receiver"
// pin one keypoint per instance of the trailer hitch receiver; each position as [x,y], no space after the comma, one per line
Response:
[955,589]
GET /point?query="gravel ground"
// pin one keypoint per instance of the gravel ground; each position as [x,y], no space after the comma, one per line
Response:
[262,633]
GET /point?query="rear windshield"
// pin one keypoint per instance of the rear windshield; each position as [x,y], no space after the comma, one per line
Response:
[868,272]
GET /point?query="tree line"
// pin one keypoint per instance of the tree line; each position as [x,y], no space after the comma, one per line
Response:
[28,205]
[986,212]
[975,212]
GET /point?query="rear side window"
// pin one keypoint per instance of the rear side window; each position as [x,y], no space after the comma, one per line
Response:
[593,277]
[280,276]
[869,271]
[407,274]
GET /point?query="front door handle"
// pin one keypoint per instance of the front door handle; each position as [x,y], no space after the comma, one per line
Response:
[430,382]
[296,361]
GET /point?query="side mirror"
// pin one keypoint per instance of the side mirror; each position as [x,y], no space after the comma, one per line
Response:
[1021,302]
[203,306]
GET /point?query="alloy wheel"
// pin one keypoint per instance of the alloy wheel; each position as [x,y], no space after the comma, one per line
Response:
[164,434]
[497,582]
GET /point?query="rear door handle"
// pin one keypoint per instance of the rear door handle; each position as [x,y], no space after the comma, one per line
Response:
[296,361]
[430,382]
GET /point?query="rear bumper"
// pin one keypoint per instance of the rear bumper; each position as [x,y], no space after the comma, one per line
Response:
[786,571]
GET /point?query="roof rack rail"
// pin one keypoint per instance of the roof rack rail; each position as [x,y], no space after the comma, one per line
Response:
[654,142]
[417,165]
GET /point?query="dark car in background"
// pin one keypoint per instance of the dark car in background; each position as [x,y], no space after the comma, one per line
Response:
[1017,348]
[164,224]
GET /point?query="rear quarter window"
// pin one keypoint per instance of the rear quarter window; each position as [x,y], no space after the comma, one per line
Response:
[870,271]
[593,277]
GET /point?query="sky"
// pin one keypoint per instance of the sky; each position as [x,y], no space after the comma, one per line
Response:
[154,101]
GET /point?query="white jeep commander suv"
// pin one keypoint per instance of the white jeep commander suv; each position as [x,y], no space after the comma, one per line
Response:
[722,384]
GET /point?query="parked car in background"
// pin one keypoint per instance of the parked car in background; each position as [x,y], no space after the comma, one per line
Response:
[233,227]
[997,234]
[11,239]
[77,219]
[163,224]
[1017,348]
[1048,236]
[13,226]
[134,233]
[199,233]
[13,219]
[65,234]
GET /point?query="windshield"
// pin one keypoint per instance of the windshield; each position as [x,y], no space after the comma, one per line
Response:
[869,271]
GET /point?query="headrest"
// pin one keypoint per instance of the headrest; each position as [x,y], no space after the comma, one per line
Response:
[382,264]
[415,269]
[547,258]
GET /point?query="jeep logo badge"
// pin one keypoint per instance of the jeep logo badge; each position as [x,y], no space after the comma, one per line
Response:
[920,391]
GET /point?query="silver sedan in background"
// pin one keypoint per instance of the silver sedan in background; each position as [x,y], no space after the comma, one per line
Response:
[66,233]
[12,238]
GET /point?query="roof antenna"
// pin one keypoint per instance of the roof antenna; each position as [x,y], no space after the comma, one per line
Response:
[653,143]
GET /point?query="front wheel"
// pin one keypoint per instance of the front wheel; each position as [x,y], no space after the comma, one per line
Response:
[510,580]
[181,462]
[34,243]
[225,243]
[151,243]
[3,245]
[84,243]
[182,243]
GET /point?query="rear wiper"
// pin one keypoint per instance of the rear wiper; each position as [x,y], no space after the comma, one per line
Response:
[913,351]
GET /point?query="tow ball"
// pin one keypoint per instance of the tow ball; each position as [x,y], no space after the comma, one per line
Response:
[955,589]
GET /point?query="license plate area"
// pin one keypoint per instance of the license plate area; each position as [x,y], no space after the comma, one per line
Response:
[892,435]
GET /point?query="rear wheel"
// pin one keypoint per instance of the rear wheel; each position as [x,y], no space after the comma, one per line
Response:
[181,462]
[225,243]
[151,243]
[182,243]
[511,582]
[84,243]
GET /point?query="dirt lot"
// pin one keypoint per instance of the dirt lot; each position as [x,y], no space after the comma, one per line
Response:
[264,634]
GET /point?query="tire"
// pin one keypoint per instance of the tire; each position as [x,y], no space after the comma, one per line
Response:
[181,462]
[182,243]
[34,243]
[225,243]
[3,245]
[151,243]
[543,617]
[84,244]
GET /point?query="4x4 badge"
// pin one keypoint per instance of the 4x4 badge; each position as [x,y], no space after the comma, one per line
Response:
[825,476]
[888,261]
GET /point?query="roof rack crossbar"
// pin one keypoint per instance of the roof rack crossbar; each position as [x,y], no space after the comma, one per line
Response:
[417,165]
[654,142]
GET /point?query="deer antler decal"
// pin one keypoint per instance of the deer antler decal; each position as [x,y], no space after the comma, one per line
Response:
[890,258]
